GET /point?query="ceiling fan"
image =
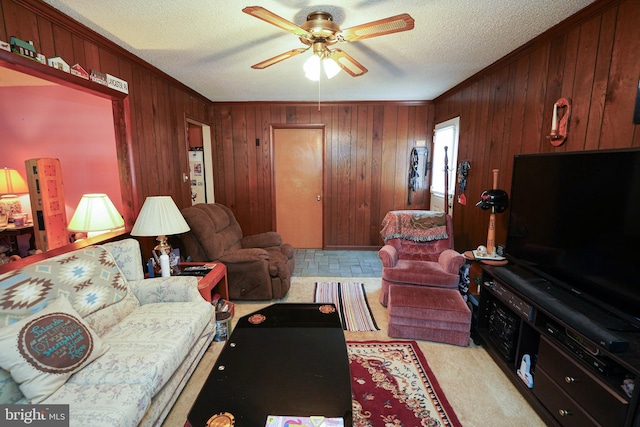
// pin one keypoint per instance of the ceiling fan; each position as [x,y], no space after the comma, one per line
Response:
[320,33]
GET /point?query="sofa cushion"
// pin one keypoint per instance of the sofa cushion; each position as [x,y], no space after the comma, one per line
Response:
[43,350]
[102,405]
[89,278]
[127,255]
[9,390]
[148,345]
[103,320]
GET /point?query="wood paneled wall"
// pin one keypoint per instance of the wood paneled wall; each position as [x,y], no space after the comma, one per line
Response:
[366,159]
[592,58]
[156,104]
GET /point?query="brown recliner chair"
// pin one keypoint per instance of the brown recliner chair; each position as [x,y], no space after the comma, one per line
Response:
[259,267]
[418,251]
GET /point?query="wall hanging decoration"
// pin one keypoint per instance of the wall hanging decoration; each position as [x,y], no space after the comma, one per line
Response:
[636,111]
[463,172]
[417,165]
[560,125]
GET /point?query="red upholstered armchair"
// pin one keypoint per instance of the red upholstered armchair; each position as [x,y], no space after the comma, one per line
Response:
[418,251]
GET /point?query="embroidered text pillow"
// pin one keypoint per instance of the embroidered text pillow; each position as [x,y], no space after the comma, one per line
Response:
[43,350]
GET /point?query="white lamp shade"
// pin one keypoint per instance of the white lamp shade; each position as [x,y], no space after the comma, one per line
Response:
[159,216]
[95,212]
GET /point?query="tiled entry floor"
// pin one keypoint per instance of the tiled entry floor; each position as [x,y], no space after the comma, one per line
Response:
[317,262]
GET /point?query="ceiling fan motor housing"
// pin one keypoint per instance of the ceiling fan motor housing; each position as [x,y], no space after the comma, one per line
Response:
[321,27]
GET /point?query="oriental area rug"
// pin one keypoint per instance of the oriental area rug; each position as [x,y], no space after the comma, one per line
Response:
[392,385]
[351,300]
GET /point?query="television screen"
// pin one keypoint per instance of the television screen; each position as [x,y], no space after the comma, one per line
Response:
[575,217]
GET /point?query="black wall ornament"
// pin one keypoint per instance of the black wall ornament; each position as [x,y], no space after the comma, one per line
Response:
[417,165]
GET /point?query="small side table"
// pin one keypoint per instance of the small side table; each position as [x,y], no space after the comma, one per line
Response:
[11,231]
[469,255]
[215,280]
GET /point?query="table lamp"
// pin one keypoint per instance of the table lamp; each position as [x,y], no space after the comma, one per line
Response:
[497,200]
[95,215]
[11,184]
[160,217]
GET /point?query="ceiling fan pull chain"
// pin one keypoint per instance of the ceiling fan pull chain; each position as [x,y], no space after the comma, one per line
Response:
[319,79]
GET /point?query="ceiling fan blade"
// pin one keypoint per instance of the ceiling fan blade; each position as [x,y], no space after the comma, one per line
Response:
[393,24]
[347,63]
[278,58]
[270,17]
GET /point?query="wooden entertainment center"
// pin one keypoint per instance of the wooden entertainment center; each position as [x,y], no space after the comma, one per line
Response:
[572,379]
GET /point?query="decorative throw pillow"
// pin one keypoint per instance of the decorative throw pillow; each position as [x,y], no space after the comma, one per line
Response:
[88,277]
[43,350]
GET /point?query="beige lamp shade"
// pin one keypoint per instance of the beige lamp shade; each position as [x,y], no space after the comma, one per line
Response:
[95,212]
[159,216]
[11,182]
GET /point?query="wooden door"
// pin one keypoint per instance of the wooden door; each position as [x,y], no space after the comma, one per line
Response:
[298,170]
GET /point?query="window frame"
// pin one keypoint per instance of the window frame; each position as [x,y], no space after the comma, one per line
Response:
[438,157]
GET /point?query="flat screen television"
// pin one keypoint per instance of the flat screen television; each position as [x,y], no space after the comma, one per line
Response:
[574,218]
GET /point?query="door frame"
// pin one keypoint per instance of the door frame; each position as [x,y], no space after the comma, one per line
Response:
[272,129]
[207,157]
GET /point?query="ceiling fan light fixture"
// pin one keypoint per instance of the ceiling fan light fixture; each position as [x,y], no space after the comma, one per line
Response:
[331,68]
[312,67]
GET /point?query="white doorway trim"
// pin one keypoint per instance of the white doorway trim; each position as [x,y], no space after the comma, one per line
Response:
[207,153]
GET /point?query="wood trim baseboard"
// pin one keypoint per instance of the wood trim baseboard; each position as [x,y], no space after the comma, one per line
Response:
[352,248]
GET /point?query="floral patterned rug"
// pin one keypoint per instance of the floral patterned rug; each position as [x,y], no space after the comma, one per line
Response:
[393,386]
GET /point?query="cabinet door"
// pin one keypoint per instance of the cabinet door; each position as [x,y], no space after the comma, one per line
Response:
[606,406]
[564,409]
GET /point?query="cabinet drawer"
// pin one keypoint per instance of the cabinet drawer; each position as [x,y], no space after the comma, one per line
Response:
[603,404]
[564,409]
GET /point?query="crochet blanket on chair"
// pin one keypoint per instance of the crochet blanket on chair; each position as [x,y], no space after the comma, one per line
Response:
[417,226]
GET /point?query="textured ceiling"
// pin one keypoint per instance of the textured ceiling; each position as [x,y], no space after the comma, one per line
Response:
[210,45]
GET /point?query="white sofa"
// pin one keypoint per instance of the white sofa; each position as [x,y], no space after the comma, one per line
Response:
[146,335]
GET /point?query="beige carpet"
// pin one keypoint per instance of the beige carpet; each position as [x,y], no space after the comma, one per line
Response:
[479,392]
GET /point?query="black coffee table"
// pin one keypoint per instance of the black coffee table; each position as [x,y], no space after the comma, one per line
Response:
[286,359]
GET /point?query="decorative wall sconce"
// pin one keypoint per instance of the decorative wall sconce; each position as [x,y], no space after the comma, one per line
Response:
[560,125]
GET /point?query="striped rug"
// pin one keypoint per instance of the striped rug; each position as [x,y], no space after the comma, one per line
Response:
[351,300]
